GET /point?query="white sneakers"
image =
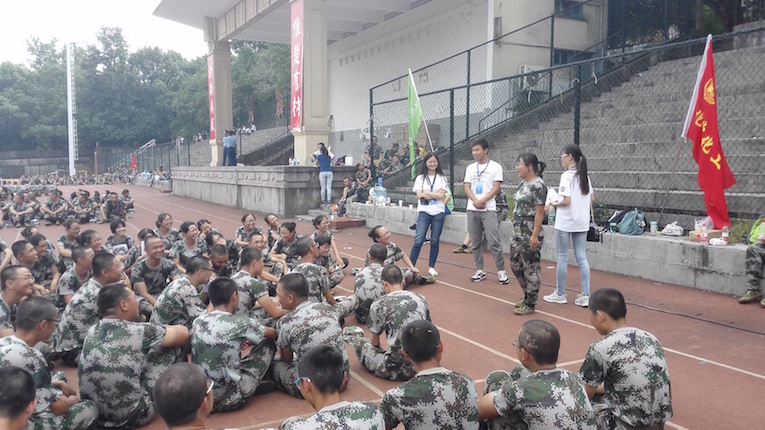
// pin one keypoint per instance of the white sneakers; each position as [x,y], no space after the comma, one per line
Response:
[502,276]
[432,271]
[556,298]
[582,300]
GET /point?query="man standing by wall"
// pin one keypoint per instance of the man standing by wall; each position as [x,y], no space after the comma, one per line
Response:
[229,148]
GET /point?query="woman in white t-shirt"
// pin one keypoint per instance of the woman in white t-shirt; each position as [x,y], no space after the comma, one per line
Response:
[430,187]
[572,222]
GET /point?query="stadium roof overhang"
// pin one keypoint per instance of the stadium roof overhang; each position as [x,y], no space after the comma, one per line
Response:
[269,20]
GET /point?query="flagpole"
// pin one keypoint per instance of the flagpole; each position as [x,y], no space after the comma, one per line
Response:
[425,123]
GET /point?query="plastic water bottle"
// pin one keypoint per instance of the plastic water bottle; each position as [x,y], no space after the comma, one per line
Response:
[381,194]
[704,234]
[725,234]
[551,216]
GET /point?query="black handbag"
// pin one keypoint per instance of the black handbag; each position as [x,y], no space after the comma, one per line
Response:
[593,235]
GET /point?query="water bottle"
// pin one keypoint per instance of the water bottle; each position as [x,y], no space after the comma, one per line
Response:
[381,194]
[551,216]
[725,234]
[704,234]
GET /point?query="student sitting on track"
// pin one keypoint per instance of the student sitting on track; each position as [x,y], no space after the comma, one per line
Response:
[17,399]
[368,285]
[183,397]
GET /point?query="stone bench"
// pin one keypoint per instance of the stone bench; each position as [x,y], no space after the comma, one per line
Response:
[164,186]
[664,259]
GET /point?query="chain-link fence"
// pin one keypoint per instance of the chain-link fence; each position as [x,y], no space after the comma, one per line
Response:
[625,108]
[163,157]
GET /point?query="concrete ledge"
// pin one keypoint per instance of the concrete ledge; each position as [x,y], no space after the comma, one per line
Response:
[657,258]
[162,186]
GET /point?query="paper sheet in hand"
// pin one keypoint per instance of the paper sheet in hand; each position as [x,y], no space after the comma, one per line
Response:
[552,196]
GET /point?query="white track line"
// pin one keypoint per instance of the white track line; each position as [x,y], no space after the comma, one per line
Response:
[367,384]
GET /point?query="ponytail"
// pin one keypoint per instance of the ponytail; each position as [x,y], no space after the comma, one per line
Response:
[530,159]
[581,167]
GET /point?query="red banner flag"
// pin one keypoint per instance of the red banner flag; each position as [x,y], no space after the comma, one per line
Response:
[134,163]
[701,128]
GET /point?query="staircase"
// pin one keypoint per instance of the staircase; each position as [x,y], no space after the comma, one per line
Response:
[274,153]
[630,132]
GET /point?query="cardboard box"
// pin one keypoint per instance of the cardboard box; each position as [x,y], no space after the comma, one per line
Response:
[711,234]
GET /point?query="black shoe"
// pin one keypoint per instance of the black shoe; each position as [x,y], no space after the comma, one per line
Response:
[427,239]
[413,227]
[266,386]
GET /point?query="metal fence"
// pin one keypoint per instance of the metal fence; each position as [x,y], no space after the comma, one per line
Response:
[163,156]
[626,111]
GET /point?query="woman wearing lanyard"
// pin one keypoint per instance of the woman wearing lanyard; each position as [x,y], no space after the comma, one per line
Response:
[430,187]
[323,160]
[526,244]
[572,222]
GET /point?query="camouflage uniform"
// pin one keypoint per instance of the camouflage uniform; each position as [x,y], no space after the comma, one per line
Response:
[42,269]
[155,279]
[337,276]
[80,314]
[215,347]
[318,286]
[172,236]
[270,239]
[755,257]
[502,206]
[226,271]
[309,324]
[178,304]
[114,368]
[54,206]
[525,263]
[113,211]
[68,245]
[367,288]
[68,285]
[80,206]
[15,352]
[433,399]
[241,233]
[281,246]
[631,364]
[545,399]
[391,313]
[6,315]
[184,254]
[250,290]
[126,240]
[340,416]
[394,254]
[22,219]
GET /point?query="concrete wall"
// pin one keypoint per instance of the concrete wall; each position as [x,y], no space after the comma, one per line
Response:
[281,190]
[660,259]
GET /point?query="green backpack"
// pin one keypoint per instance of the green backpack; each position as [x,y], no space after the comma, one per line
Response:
[633,223]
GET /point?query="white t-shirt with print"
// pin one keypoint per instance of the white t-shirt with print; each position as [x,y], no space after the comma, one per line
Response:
[481,178]
[430,184]
[576,216]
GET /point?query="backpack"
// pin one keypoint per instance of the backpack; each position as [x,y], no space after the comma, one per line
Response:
[633,222]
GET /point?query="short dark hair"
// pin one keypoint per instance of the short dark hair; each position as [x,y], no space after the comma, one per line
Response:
[86,236]
[295,284]
[162,217]
[392,275]
[249,255]
[36,238]
[317,221]
[244,217]
[149,238]
[102,261]
[541,340]
[291,226]
[146,232]
[9,273]
[303,245]
[483,143]
[324,366]
[420,340]
[378,252]
[610,301]
[31,311]
[17,393]
[110,296]
[195,263]
[18,247]
[68,223]
[179,392]
[221,290]
[323,240]
[217,250]
[187,225]
[202,222]
[115,224]
[79,252]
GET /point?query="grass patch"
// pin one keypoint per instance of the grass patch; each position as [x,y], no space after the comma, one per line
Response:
[739,231]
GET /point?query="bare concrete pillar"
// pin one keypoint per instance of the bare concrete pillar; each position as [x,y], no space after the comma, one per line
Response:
[314,58]
[220,99]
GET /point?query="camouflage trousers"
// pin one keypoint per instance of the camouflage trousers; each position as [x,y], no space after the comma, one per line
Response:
[494,382]
[382,363]
[346,306]
[138,417]
[158,362]
[335,278]
[607,420]
[284,375]
[79,417]
[525,263]
[755,257]
[254,367]
[362,310]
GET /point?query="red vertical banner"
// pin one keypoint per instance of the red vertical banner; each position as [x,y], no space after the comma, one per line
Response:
[211,94]
[296,75]
[701,128]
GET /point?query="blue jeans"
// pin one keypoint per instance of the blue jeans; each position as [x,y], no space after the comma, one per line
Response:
[579,240]
[325,180]
[229,155]
[436,224]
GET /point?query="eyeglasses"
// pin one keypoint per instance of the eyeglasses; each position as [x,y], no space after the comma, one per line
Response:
[515,344]
[209,387]
[56,320]
[205,268]
[27,278]
[302,378]
[564,155]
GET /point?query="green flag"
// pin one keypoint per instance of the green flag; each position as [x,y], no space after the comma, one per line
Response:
[415,117]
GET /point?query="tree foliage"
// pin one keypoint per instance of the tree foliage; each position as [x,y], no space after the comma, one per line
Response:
[125,98]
